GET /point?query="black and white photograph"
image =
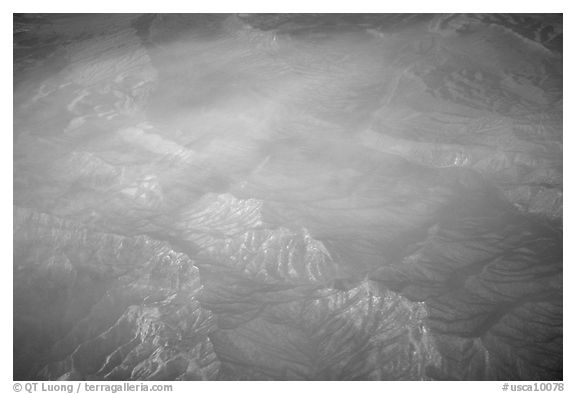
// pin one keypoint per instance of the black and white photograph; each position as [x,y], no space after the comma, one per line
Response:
[287,197]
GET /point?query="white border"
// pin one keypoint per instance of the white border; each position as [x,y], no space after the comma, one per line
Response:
[105,6]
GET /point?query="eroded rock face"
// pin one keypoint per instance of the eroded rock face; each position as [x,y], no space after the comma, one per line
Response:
[288,197]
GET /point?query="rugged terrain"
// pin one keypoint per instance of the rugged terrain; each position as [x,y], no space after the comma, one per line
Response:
[288,197]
